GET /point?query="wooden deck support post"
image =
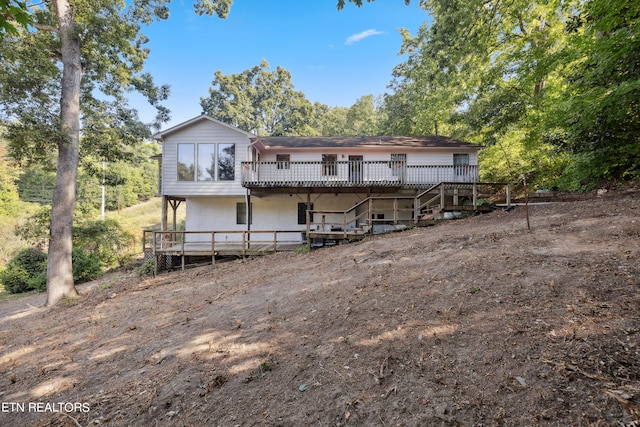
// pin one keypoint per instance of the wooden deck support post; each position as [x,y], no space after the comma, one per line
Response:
[308,219]
[475,196]
[163,218]
[213,248]
[442,200]
[370,215]
[182,250]
[155,257]
[248,216]
[308,229]
[244,244]
[395,211]
[508,195]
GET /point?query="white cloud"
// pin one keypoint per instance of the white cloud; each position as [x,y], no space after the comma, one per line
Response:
[363,35]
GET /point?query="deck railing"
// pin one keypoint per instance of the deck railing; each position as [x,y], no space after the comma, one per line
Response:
[212,243]
[352,174]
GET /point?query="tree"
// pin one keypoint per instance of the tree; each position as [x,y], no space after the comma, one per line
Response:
[259,100]
[597,114]
[362,117]
[79,60]
[483,71]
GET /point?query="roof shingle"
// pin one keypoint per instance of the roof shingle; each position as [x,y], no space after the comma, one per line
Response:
[275,142]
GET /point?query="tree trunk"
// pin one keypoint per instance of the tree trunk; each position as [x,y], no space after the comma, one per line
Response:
[59,270]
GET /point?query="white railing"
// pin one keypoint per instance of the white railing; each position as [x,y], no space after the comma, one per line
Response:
[352,174]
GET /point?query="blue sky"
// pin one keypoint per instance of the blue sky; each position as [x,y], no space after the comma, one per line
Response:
[334,57]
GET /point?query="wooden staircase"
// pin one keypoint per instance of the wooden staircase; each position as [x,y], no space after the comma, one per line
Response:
[427,208]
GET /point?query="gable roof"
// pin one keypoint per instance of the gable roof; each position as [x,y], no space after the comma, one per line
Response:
[284,142]
[202,118]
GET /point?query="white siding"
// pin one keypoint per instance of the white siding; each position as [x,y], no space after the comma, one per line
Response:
[275,212]
[428,157]
[202,132]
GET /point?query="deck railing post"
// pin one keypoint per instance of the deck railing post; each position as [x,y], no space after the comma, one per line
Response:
[275,241]
[244,239]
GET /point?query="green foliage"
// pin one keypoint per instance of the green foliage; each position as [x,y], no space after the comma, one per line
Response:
[8,190]
[362,118]
[103,242]
[596,115]
[550,88]
[259,100]
[147,268]
[506,160]
[13,13]
[36,184]
[35,228]
[358,3]
[302,249]
[25,272]
[98,245]
[265,102]
[86,265]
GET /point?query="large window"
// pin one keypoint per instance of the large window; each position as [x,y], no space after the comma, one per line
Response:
[202,162]
[302,213]
[226,162]
[241,213]
[206,162]
[186,162]
[461,163]
[329,164]
[282,161]
[397,164]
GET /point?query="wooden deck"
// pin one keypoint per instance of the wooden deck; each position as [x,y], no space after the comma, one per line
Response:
[165,246]
[225,249]
[338,235]
[372,215]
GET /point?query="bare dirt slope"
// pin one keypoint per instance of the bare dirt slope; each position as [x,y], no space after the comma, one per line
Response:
[474,322]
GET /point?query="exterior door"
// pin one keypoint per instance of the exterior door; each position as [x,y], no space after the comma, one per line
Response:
[399,166]
[355,169]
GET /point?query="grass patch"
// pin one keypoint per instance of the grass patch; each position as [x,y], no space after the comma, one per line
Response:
[143,216]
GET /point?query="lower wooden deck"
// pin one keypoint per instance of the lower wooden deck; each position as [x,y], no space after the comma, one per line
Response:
[225,249]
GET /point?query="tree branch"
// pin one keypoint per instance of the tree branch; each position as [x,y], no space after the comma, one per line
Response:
[44,27]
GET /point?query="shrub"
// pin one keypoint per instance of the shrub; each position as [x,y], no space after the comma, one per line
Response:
[86,265]
[147,268]
[25,272]
[104,241]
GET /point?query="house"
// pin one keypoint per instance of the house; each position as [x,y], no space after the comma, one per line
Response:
[236,185]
